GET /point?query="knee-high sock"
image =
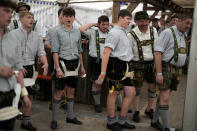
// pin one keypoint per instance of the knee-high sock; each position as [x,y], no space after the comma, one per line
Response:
[25,120]
[156,113]
[164,112]
[55,109]
[70,103]
[97,97]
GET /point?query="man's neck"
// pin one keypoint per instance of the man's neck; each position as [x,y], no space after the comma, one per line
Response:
[27,29]
[68,27]
[119,24]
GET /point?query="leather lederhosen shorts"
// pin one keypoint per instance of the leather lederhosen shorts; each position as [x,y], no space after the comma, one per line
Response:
[171,76]
[116,71]
[143,71]
[70,81]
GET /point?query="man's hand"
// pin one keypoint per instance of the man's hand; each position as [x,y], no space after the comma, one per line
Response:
[159,79]
[24,71]
[27,102]
[20,78]
[83,72]
[100,80]
[6,72]
[59,74]
[45,68]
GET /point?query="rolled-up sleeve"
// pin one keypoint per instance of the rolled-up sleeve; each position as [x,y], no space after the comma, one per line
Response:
[112,40]
[55,43]
[40,50]
[162,42]
[89,32]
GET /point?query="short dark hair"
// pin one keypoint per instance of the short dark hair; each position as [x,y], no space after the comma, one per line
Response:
[60,11]
[183,16]
[8,3]
[155,19]
[103,18]
[68,11]
[124,13]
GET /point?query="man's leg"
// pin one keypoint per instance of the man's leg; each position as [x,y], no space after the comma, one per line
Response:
[129,92]
[136,117]
[96,92]
[164,107]
[70,105]
[151,100]
[26,124]
[55,107]
[112,122]
[155,121]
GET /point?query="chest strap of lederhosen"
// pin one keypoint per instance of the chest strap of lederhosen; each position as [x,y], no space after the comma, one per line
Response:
[140,51]
[176,49]
[97,46]
[34,25]
[15,24]
[141,57]
[152,39]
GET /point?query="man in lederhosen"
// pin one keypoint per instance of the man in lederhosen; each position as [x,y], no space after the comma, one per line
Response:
[10,61]
[116,57]
[31,46]
[16,23]
[96,46]
[48,43]
[170,56]
[67,53]
[142,39]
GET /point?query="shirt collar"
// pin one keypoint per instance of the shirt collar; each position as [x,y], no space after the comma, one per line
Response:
[66,29]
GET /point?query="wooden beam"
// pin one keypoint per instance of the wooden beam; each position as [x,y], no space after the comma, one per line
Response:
[115,11]
[67,3]
[94,1]
[153,8]
[132,6]
[169,16]
[154,14]
[144,6]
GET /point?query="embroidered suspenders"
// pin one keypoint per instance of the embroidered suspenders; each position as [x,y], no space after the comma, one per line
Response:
[177,50]
[98,41]
[143,43]
[97,46]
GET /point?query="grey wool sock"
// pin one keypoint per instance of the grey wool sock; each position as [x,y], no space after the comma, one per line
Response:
[97,97]
[55,109]
[164,112]
[70,103]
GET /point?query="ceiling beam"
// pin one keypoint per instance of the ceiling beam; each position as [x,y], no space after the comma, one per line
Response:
[154,14]
[132,6]
[115,11]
